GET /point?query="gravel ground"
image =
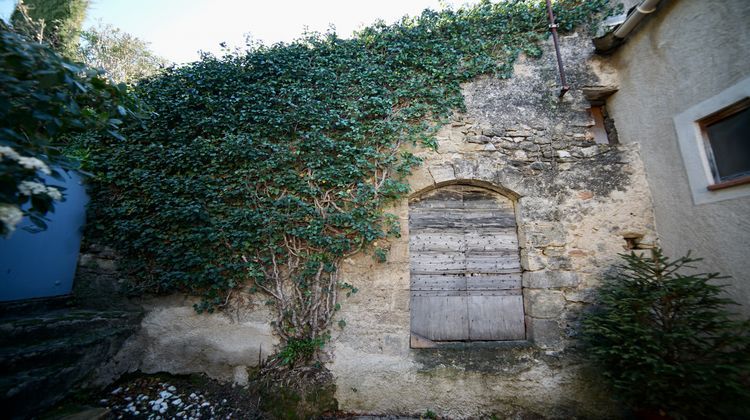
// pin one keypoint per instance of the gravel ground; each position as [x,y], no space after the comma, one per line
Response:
[160,397]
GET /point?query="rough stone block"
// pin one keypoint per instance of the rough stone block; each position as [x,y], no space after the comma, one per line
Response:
[464,169]
[550,279]
[543,303]
[545,333]
[420,179]
[542,235]
[590,151]
[443,173]
[532,261]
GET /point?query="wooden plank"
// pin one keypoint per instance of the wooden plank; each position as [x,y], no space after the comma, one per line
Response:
[453,293]
[440,198]
[462,271]
[436,241]
[493,281]
[464,240]
[492,264]
[439,224]
[435,262]
[433,282]
[419,342]
[506,238]
[441,318]
[496,318]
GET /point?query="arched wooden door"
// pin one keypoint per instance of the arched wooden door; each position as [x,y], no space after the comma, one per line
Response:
[465,266]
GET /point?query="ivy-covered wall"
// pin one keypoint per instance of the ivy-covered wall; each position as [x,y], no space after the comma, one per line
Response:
[259,180]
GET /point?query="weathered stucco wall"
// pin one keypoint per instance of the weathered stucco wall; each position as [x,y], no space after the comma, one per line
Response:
[575,201]
[689,51]
[174,338]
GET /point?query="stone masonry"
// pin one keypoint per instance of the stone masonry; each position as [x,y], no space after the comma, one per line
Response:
[577,205]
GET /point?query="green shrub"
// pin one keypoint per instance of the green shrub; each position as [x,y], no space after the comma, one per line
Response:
[666,342]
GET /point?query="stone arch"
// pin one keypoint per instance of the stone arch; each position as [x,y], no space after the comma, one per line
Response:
[514,196]
[465,267]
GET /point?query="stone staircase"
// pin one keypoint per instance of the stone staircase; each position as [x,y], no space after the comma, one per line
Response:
[46,351]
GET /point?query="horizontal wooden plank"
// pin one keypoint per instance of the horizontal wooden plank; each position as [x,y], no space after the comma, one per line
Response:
[438,224]
[490,241]
[493,281]
[443,240]
[452,204]
[492,265]
[463,282]
[469,267]
[428,267]
[461,271]
[432,282]
[436,293]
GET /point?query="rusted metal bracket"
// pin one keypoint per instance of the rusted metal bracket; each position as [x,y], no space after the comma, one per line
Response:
[553,29]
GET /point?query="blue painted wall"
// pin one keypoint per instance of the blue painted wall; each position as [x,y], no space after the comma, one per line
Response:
[34,265]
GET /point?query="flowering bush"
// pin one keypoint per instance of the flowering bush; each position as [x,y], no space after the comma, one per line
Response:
[43,99]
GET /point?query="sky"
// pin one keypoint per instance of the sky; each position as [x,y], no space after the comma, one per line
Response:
[178,29]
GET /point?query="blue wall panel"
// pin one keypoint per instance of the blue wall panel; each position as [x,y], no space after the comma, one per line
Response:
[34,265]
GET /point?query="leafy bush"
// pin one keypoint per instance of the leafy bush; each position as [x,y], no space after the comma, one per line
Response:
[666,342]
[43,98]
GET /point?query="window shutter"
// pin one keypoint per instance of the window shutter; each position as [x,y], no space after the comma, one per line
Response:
[465,266]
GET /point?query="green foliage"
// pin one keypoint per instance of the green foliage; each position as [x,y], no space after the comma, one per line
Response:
[43,98]
[271,166]
[57,22]
[666,342]
[299,350]
[429,414]
[123,57]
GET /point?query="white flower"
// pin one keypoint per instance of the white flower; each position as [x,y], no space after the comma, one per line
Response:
[34,163]
[10,215]
[34,188]
[54,193]
[8,152]
[31,188]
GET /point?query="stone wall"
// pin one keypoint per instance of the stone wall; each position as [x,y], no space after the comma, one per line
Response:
[578,204]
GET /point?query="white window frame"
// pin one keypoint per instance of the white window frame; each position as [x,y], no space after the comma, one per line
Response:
[693,148]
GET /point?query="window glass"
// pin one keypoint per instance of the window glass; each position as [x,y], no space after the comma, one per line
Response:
[730,144]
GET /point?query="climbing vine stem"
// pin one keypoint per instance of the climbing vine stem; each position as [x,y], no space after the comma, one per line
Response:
[264,169]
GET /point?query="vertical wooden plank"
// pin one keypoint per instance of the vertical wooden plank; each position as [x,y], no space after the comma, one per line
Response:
[496,318]
[440,318]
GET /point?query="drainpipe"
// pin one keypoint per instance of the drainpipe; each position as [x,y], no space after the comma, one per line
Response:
[553,29]
[614,39]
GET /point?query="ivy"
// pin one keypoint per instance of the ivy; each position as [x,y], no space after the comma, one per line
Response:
[264,169]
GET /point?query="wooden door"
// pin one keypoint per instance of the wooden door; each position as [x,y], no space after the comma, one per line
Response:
[465,266]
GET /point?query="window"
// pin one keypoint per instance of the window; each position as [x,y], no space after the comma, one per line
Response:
[714,140]
[465,266]
[727,142]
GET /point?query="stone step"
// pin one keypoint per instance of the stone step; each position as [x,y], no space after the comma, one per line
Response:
[54,350]
[31,329]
